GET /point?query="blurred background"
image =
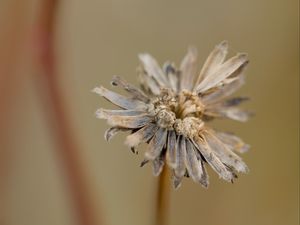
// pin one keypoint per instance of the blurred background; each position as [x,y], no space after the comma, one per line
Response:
[56,168]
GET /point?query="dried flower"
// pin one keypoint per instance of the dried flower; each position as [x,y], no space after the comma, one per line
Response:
[171,110]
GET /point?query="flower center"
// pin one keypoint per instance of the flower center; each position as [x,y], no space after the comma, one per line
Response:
[181,112]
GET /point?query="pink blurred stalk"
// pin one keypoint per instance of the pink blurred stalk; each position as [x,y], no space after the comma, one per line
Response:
[58,119]
[12,35]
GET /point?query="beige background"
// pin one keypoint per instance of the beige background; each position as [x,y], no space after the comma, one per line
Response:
[97,39]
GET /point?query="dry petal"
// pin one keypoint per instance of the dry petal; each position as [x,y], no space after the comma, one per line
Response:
[106,113]
[141,136]
[153,70]
[156,144]
[134,91]
[129,121]
[188,68]
[225,91]
[171,149]
[233,142]
[193,165]
[120,100]
[148,84]
[235,114]
[235,101]
[172,75]
[222,72]
[213,160]
[111,132]
[157,166]
[213,61]
[180,157]
[224,154]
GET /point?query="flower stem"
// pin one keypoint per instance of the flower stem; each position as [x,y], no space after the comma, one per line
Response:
[163,198]
[55,109]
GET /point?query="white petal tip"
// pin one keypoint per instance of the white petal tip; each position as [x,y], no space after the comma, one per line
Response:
[143,56]
[223,45]
[94,90]
[100,114]
[227,176]
[204,184]
[107,137]
[98,90]
[131,141]
[148,156]
[158,172]
[243,56]
[192,50]
[242,168]
[245,169]
[176,183]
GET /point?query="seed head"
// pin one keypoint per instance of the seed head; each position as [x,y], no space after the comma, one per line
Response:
[171,111]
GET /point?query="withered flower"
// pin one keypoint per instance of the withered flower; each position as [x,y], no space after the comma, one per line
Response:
[171,110]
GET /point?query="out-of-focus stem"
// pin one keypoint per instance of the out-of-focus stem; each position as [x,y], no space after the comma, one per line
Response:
[163,198]
[55,109]
[13,24]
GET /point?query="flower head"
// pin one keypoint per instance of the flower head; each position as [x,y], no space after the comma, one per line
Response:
[171,111]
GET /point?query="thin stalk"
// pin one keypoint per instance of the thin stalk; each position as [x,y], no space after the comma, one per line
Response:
[163,198]
[13,23]
[58,118]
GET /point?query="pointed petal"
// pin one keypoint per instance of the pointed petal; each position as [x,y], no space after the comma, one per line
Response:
[224,154]
[204,178]
[222,72]
[233,142]
[224,92]
[234,113]
[120,100]
[156,144]
[235,101]
[105,113]
[148,84]
[111,132]
[213,160]
[134,91]
[176,181]
[193,165]
[129,121]
[153,70]
[180,157]
[172,75]
[171,149]
[144,162]
[226,104]
[141,136]
[188,68]
[213,61]
[157,166]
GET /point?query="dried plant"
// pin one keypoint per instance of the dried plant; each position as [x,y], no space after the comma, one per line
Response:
[171,111]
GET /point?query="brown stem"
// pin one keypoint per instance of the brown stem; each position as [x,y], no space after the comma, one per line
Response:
[163,198]
[55,109]
[13,23]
